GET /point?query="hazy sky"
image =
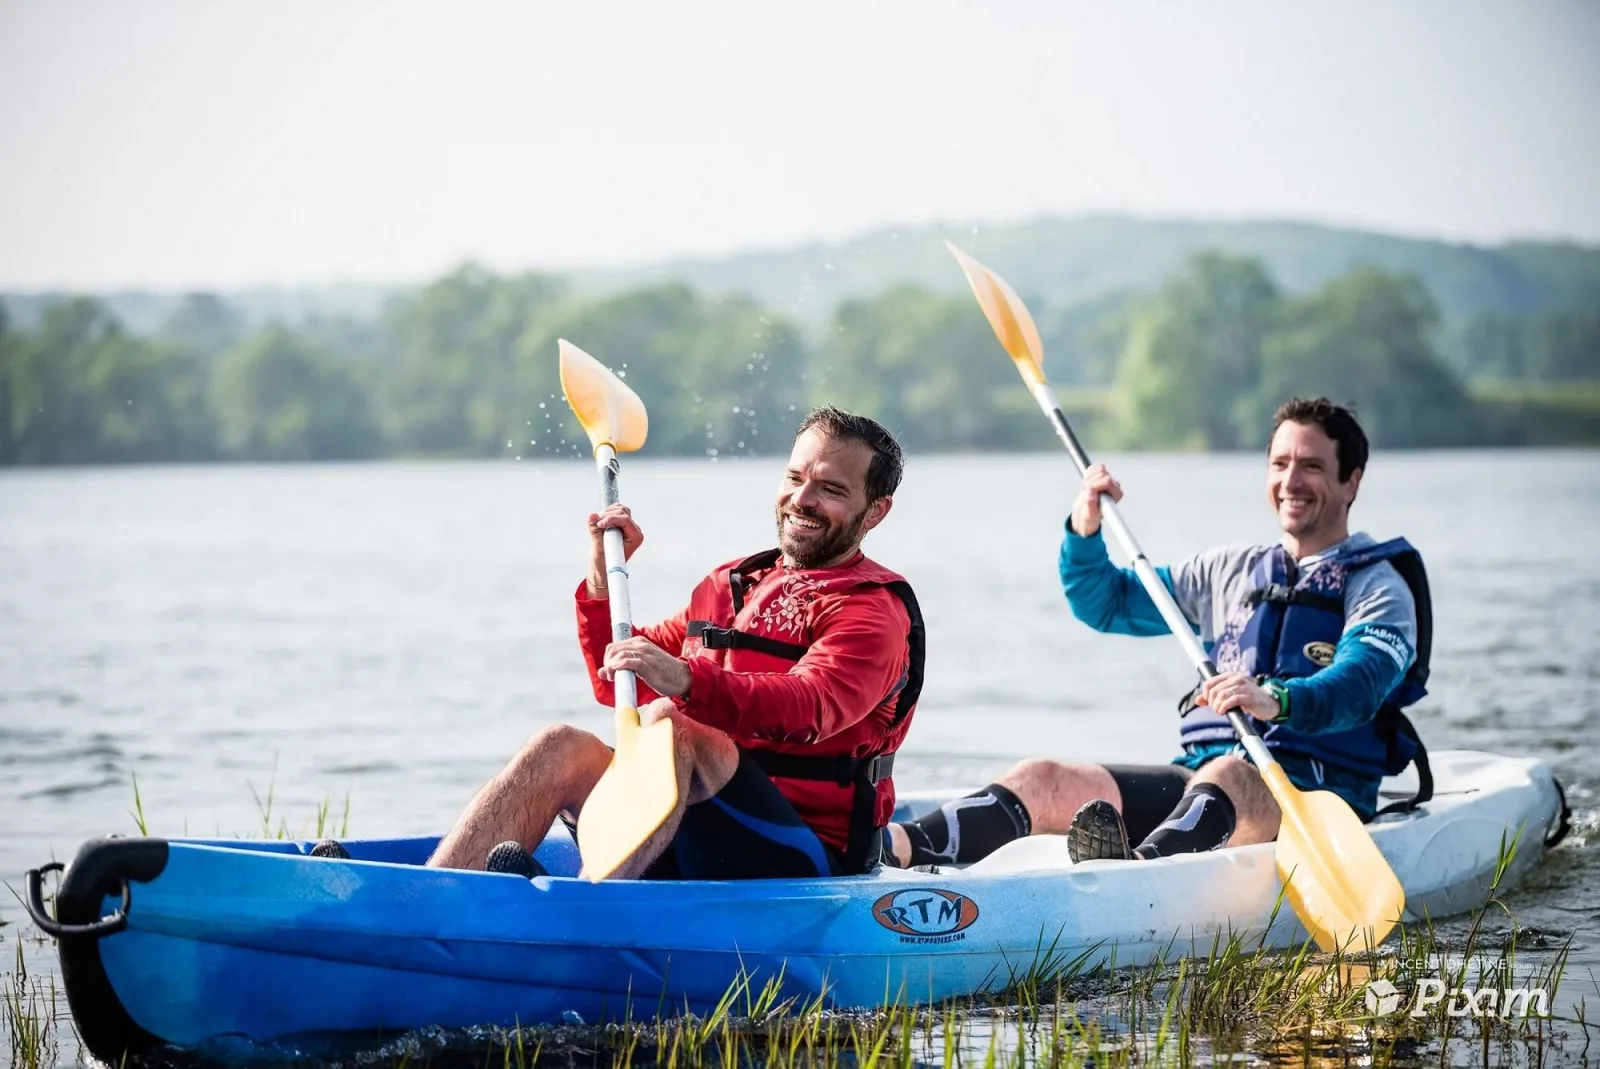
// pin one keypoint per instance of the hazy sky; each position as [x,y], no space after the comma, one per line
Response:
[167,144]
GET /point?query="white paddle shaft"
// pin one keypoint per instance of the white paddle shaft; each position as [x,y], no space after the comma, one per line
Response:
[1177,623]
[616,576]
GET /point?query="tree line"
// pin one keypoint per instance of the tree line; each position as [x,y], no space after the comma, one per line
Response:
[466,367]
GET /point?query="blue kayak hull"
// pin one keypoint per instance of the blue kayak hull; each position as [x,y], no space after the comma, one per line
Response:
[230,943]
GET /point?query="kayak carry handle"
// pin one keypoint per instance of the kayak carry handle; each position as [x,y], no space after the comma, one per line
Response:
[33,902]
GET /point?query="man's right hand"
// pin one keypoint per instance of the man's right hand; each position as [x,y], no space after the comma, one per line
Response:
[619,517]
[1086,510]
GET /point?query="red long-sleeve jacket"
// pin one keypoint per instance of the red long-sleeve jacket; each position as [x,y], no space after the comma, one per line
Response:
[839,699]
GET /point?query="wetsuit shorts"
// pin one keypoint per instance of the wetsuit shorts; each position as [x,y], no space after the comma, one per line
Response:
[747,831]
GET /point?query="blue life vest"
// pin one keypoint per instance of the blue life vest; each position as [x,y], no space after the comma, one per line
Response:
[1293,625]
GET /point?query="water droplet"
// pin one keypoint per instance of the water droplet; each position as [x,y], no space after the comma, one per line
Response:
[541,404]
[736,410]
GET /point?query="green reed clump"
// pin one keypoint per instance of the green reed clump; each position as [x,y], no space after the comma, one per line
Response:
[28,1016]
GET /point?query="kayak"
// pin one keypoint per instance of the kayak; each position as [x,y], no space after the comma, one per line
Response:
[231,947]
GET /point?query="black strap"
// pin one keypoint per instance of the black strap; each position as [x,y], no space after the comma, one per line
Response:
[730,638]
[866,846]
[916,643]
[1393,722]
[1564,825]
[1278,594]
[737,582]
[841,768]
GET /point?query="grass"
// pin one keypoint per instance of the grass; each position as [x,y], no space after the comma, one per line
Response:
[1239,999]
[29,1017]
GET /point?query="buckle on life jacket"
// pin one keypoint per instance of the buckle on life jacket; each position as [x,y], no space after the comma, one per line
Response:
[731,638]
[841,769]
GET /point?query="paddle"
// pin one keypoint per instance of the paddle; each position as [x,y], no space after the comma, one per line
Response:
[1337,880]
[640,788]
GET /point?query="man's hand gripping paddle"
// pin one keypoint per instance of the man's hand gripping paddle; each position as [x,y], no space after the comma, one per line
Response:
[1338,882]
[640,788]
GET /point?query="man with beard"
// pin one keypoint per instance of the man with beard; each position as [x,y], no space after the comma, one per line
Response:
[791,678]
[1322,637]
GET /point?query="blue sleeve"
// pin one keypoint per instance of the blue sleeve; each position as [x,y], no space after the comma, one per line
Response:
[1367,665]
[1106,597]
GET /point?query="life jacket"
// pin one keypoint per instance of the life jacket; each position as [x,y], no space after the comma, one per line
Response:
[868,774]
[1294,623]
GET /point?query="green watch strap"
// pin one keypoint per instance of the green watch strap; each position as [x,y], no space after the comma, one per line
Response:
[1281,692]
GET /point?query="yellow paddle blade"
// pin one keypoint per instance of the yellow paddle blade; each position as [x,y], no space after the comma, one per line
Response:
[1007,315]
[611,413]
[1337,880]
[634,796]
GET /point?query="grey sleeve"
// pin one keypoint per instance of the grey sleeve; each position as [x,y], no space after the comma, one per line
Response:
[1377,596]
[1208,585]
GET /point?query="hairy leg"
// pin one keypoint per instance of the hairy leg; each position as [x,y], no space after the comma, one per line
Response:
[1256,815]
[554,771]
[706,760]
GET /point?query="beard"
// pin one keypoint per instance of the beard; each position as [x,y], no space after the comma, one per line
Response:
[826,543]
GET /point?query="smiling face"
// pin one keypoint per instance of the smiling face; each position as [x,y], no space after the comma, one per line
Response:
[823,511]
[1312,505]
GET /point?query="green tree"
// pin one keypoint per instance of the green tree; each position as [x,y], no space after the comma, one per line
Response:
[459,375]
[720,375]
[278,398]
[204,324]
[1366,338]
[1194,354]
[927,367]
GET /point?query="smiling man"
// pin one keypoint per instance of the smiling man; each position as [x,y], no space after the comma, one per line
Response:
[1323,638]
[791,678]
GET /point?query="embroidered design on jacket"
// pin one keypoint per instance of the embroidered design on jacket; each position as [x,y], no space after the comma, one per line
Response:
[786,612]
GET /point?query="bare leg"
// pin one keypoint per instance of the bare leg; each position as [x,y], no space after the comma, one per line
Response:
[554,771]
[1052,791]
[1255,813]
[706,760]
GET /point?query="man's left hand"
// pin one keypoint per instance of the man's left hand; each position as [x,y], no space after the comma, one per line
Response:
[656,668]
[1238,691]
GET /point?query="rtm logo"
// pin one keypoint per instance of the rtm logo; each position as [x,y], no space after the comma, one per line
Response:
[926,914]
[1383,999]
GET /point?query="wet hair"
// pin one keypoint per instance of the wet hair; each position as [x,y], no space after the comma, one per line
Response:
[1337,422]
[888,462]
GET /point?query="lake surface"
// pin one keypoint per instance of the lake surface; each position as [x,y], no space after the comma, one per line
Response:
[389,634]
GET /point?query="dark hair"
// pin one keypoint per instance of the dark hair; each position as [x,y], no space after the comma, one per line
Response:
[888,462]
[1337,422]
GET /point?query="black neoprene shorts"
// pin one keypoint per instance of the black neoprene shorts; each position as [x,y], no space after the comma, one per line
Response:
[748,831]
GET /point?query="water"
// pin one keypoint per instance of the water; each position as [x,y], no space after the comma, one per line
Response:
[389,634]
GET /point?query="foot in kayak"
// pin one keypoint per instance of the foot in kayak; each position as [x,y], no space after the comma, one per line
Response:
[1098,834]
[510,857]
[330,848]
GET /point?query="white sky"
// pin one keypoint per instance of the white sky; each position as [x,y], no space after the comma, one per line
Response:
[167,144]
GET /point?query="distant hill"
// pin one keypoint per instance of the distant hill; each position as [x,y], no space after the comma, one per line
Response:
[1065,261]
[1059,261]
[143,311]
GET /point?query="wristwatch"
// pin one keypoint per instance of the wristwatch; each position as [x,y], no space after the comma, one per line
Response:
[1280,692]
